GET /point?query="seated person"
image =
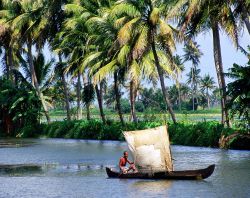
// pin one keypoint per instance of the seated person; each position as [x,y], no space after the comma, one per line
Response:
[122,164]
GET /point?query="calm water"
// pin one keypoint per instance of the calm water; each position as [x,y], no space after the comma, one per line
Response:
[75,168]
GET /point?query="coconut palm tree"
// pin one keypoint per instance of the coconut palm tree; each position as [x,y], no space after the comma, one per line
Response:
[143,27]
[202,15]
[179,63]
[194,80]
[26,21]
[207,83]
[60,73]
[193,54]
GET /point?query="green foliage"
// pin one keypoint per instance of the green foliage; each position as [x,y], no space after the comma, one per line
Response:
[125,106]
[30,131]
[139,106]
[88,93]
[199,134]
[184,133]
[239,93]
[20,103]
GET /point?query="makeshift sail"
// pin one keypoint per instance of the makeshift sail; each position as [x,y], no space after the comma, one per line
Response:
[150,149]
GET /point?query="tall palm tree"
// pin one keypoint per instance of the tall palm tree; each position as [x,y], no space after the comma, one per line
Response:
[194,80]
[144,29]
[203,15]
[60,73]
[179,63]
[193,54]
[26,21]
[207,83]
[77,25]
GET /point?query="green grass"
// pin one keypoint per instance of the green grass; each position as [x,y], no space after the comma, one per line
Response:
[192,116]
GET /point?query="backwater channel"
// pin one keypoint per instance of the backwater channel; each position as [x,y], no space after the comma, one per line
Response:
[76,168]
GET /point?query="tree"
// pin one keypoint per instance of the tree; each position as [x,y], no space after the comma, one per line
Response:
[202,15]
[27,21]
[180,66]
[239,92]
[241,11]
[144,29]
[19,105]
[193,54]
[206,84]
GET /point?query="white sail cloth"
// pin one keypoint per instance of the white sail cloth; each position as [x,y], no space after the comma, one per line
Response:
[150,149]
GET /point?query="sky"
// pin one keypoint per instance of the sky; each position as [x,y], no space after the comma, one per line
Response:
[229,54]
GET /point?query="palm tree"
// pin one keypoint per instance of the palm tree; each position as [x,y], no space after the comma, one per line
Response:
[26,21]
[193,54]
[202,15]
[194,80]
[77,35]
[181,68]
[140,22]
[44,73]
[241,11]
[60,72]
[206,84]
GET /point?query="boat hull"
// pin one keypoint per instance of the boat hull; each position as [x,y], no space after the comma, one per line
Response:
[178,175]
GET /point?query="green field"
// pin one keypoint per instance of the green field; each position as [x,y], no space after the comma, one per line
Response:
[192,116]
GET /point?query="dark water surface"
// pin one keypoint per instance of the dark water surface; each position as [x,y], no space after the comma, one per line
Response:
[76,168]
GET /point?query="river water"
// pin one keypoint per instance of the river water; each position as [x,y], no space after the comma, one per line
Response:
[76,168]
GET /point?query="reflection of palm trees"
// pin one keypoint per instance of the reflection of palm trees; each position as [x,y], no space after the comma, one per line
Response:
[152,186]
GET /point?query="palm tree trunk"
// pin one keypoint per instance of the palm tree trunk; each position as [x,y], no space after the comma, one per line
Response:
[34,80]
[85,82]
[179,95]
[117,98]
[192,76]
[208,102]
[246,19]
[220,73]
[9,65]
[99,99]
[79,109]
[132,100]
[163,87]
[65,90]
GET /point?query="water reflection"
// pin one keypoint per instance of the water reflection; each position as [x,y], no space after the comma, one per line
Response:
[155,186]
[15,143]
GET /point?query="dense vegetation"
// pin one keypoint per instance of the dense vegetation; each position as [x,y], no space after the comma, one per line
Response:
[104,52]
[183,133]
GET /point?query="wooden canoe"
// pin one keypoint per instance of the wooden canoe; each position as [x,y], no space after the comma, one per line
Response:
[181,175]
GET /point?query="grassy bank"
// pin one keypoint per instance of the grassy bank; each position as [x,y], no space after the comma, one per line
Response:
[184,133]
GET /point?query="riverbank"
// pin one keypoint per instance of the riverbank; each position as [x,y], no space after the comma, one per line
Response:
[206,134]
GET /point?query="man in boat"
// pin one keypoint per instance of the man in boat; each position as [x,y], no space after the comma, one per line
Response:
[122,164]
